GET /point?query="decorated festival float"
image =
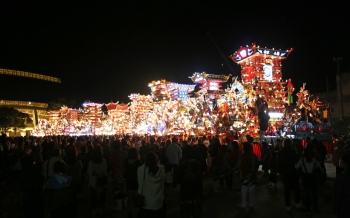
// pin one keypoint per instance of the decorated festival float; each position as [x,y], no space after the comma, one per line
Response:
[259,103]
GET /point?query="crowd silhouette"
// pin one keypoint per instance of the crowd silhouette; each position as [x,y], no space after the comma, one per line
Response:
[48,176]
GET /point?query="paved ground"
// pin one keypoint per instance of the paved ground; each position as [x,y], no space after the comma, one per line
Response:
[269,203]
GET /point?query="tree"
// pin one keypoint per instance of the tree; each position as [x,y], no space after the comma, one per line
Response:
[11,118]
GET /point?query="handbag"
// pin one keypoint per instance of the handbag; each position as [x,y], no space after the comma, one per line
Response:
[139,199]
[100,181]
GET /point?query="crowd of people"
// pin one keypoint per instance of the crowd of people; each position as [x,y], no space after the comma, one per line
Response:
[46,175]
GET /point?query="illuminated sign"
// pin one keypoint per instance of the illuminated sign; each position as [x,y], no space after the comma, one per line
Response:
[267,51]
[267,72]
[275,115]
[213,86]
[244,53]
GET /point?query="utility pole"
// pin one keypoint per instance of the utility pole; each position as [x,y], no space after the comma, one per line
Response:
[339,88]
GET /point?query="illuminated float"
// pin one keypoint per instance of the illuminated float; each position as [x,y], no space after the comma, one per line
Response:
[173,108]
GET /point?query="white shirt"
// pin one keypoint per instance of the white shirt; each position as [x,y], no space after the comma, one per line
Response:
[49,164]
[153,187]
[309,166]
[173,153]
[95,170]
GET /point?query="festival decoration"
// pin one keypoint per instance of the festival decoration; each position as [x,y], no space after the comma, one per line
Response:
[173,108]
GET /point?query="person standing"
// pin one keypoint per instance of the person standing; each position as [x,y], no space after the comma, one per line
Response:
[58,193]
[249,169]
[336,156]
[49,163]
[117,168]
[74,168]
[266,157]
[287,158]
[97,169]
[203,151]
[131,165]
[150,177]
[235,162]
[31,183]
[223,157]
[173,155]
[308,163]
[341,198]
[189,176]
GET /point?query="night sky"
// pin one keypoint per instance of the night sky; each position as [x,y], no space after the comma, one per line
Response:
[106,51]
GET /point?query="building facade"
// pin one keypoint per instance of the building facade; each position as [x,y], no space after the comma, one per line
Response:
[339,105]
[36,111]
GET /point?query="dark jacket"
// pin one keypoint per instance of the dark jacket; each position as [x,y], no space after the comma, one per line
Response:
[59,196]
[189,176]
[131,166]
[287,158]
[249,168]
[341,198]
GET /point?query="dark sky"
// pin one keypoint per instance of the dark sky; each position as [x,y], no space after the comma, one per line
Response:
[106,51]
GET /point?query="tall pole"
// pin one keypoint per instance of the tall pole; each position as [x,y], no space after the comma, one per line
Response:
[339,88]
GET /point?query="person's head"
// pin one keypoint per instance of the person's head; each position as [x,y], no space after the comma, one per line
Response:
[151,161]
[59,166]
[97,155]
[250,139]
[175,140]
[200,140]
[116,145]
[72,140]
[235,145]
[83,149]
[287,143]
[152,140]
[55,152]
[71,155]
[188,152]
[310,144]
[247,147]
[132,153]
[216,141]
[167,142]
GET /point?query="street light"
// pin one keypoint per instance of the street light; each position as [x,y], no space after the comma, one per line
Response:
[339,88]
